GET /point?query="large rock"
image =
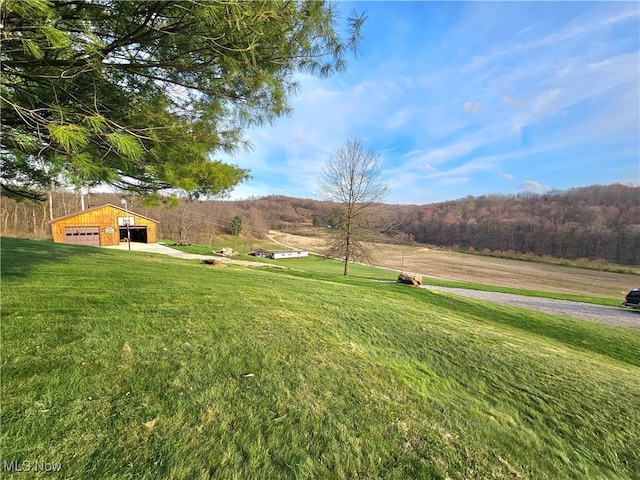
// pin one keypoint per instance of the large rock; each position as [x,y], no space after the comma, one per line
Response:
[410,278]
[227,252]
[211,261]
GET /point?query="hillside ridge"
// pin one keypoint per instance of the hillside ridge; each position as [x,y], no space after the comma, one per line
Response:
[593,222]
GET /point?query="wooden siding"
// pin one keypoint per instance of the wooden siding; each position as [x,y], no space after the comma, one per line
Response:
[106,219]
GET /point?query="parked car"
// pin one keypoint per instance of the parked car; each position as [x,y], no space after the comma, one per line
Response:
[632,299]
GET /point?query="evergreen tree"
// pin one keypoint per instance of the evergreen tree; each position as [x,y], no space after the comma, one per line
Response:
[142,94]
[237,224]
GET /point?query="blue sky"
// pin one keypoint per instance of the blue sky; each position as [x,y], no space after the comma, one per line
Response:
[469,98]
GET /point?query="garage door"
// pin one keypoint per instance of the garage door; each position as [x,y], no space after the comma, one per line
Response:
[82,236]
[137,234]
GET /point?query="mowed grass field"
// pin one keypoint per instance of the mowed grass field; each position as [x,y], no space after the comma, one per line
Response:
[123,365]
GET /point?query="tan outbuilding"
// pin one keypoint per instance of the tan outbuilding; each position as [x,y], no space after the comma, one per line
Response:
[104,226]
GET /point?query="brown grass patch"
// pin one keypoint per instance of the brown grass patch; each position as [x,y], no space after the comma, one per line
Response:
[448,265]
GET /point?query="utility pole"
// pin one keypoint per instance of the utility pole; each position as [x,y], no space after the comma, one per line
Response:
[126,221]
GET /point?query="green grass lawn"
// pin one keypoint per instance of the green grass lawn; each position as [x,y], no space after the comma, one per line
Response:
[312,264]
[319,265]
[118,365]
[222,241]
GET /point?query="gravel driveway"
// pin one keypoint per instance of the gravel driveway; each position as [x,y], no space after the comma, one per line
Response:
[585,311]
[172,252]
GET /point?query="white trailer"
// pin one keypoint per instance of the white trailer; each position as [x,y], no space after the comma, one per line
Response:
[288,254]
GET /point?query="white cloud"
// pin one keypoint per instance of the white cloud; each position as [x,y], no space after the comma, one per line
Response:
[533,186]
[454,181]
[473,107]
[516,103]
[545,102]
[432,111]
[581,27]
[585,81]
[445,154]
[466,169]
[247,190]
[413,153]
[399,119]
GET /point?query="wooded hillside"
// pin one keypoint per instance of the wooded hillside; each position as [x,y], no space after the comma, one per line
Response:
[590,222]
[595,222]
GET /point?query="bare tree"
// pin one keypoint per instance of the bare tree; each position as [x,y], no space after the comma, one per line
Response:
[186,223]
[351,179]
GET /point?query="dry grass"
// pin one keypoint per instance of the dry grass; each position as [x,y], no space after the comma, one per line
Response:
[445,264]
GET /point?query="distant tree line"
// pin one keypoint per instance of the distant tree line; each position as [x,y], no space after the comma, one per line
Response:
[595,222]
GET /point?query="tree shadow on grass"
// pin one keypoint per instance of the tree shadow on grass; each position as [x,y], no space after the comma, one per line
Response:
[20,256]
